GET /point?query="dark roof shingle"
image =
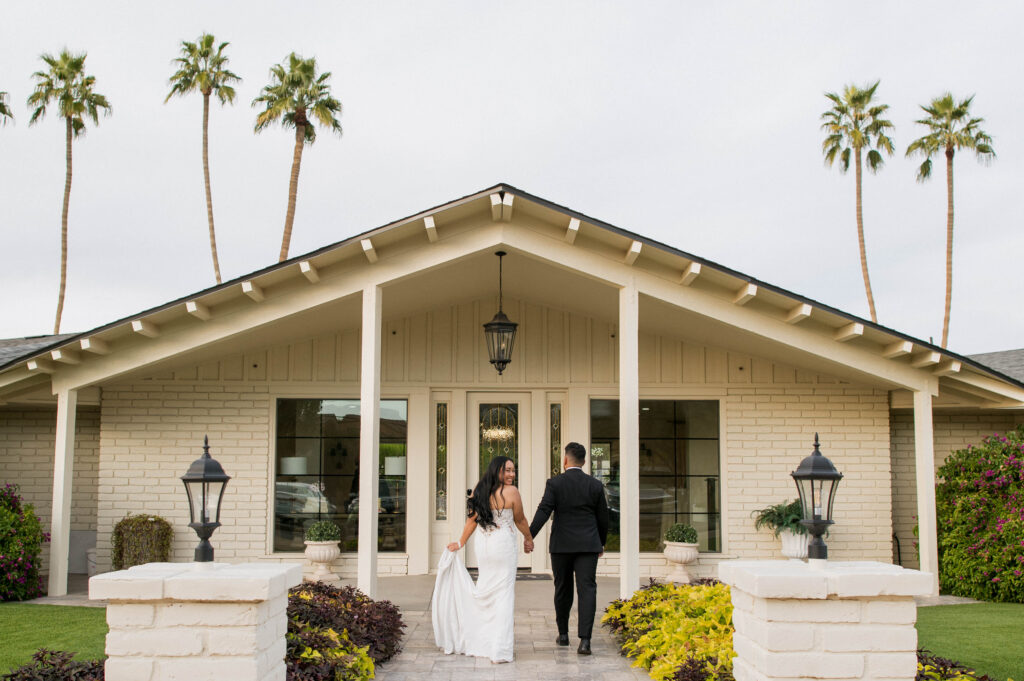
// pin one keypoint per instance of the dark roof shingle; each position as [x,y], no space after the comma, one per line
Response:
[13,348]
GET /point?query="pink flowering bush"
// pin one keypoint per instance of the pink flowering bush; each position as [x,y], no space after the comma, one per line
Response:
[21,540]
[980,506]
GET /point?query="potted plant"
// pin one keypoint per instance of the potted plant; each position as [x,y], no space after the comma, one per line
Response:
[322,539]
[680,550]
[784,519]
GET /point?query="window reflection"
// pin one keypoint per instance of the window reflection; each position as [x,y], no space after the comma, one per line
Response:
[679,468]
[317,471]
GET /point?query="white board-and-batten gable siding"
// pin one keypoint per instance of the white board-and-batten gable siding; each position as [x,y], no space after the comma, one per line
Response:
[444,347]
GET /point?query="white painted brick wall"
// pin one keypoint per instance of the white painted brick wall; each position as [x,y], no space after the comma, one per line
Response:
[27,436]
[768,431]
[953,431]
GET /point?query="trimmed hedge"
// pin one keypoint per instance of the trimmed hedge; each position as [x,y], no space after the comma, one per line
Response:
[141,539]
[21,542]
[980,512]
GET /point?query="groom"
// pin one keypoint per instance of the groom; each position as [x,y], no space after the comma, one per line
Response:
[578,535]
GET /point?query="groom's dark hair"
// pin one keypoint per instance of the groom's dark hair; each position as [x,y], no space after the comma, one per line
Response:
[576,452]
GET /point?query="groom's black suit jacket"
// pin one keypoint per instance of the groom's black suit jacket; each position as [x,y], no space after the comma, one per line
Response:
[581,513]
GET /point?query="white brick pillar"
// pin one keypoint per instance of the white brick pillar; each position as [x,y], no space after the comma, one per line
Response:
[840,621]
[196,621]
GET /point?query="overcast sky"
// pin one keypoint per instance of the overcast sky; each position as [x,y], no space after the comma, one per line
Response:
[696,124]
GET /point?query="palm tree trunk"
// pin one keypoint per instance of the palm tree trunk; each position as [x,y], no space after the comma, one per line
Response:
[293,188]
[860,242]
[949,245]
[64,227]
[206,180]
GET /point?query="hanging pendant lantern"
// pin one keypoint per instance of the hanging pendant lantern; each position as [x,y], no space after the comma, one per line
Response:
[500,332]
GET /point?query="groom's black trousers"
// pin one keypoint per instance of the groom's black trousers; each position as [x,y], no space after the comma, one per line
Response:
[581,567]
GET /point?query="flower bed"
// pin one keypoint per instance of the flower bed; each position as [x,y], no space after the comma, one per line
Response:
[679,632]
[21,541]
[980,511]
[684,633]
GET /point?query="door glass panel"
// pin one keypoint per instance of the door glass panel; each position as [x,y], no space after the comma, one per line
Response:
[499,433]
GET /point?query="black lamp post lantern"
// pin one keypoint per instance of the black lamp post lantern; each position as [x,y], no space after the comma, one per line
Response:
[205,482]
[816,481]
[500,332]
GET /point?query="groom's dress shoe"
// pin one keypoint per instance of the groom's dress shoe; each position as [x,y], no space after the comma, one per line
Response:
[562,640]
[584,648]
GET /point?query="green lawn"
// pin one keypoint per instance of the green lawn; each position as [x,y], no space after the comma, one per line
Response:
[986,636]
[24,628]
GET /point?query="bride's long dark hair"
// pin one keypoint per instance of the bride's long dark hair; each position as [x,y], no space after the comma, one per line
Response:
[479,503]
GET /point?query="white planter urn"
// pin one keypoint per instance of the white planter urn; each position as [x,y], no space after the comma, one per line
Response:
[794,545]
[679,555]
[322,554]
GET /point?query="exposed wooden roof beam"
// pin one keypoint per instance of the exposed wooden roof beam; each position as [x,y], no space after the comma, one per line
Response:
[66,356]
[848,332]
[925,359]
[40,366]
[948,368]
[428,225]
[506,207]
[309,271]
[95,346]
[144,328]
[633,253]
[572,231]
[251,289]
[798,313]
[496,207]
[197,310]
[369,250]
[897,349]
[691,272]
[744,295]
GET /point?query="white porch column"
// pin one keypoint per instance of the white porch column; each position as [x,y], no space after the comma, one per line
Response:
[369,442]
[63,474]
[629,440]
[924,464]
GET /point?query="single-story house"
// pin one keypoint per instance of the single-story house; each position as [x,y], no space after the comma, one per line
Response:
[356,378]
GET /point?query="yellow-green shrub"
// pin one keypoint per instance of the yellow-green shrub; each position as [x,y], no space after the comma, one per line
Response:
[667,627]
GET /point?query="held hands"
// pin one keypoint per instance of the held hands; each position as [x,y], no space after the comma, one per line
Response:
[528,545]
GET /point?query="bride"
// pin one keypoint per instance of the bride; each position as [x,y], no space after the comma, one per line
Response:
[477,619]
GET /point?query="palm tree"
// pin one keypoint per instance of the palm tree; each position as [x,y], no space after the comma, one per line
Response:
[5,109]
[66,84]
[950,128]
[202,68]
[853,124]
[295,95]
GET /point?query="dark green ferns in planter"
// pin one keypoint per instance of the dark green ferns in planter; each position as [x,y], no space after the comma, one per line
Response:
[782,516]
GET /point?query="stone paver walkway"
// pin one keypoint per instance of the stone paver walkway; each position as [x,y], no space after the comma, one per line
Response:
[536,654]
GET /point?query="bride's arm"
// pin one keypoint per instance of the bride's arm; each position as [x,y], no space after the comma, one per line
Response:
[520,520]
[466,532]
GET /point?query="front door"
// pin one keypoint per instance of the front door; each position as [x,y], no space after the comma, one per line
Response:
[499,425]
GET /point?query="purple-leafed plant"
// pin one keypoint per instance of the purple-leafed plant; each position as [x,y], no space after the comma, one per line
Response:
[980,512]
[49,665]
[376,625]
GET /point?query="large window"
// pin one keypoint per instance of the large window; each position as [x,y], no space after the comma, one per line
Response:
[679,471]
[317,471]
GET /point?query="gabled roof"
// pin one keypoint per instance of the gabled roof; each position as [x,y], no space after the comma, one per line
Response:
[790,307]
[1007,362]
[14,349]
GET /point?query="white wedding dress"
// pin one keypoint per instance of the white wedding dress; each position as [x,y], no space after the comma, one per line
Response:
[476,619]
